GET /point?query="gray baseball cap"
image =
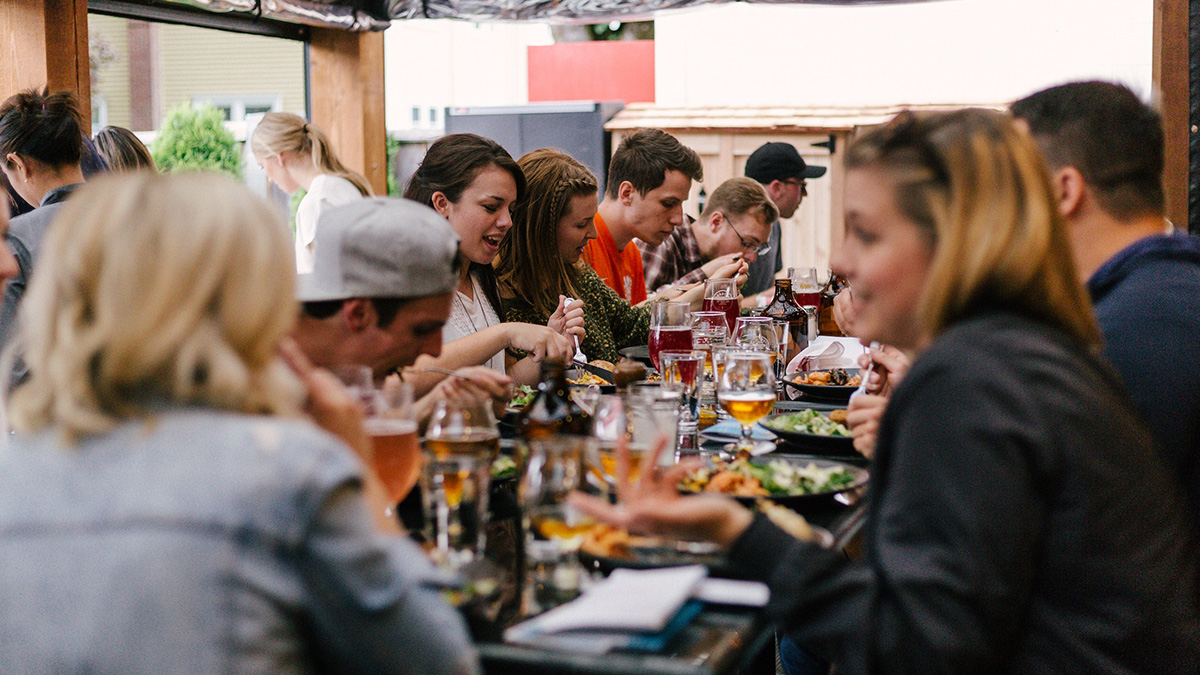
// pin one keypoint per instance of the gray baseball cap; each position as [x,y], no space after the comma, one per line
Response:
[381,248]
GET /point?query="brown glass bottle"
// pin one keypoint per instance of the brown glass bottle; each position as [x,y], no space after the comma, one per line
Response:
[826,324]
[783,309]
[552,410]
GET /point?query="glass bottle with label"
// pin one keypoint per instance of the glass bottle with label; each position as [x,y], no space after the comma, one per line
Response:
[826,323]
[784,311]
[552,410]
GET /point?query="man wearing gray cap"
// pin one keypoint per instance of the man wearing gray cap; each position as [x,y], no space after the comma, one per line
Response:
[380,290]
[784,174]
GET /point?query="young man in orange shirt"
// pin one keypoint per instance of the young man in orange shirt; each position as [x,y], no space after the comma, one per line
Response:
[649,178]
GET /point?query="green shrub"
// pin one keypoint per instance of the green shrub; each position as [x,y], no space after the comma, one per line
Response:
[195,139]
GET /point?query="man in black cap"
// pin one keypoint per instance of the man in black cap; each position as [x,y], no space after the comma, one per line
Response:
[781,170]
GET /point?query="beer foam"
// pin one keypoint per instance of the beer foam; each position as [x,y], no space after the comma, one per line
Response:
[388,426]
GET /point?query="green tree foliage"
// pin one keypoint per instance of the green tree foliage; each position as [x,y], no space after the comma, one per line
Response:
[195,139]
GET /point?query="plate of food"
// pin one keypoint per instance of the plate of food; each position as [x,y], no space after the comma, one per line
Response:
[825,431]
[606,548]
[522,395]
[833,384]
[792,482]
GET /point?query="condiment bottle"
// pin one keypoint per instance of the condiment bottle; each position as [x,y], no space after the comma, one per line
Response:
[552,411]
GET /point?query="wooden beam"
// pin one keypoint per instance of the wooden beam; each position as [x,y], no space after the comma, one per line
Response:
[1171,89]
[45,43]
[346,72]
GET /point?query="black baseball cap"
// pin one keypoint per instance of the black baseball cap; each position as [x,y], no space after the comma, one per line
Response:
[779,161]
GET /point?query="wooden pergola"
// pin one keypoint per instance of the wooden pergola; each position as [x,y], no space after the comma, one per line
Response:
[45,42]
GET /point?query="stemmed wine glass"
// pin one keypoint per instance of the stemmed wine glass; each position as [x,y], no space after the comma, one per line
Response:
[746,390]
[670,328]
[461,443]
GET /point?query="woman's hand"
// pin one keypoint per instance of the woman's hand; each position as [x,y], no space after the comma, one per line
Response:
[862,416]
[654,506]
[567,320]
[540,342]
[891,365]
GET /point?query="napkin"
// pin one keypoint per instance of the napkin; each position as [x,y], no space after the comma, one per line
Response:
[823,353]
[730,430]
[627,606]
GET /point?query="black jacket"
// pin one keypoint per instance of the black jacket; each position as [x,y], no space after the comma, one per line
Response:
[1019,522]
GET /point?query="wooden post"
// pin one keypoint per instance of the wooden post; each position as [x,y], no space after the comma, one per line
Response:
[45,43]
[347,99]
[1171,89]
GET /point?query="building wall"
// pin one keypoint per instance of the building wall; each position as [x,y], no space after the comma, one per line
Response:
[959,51]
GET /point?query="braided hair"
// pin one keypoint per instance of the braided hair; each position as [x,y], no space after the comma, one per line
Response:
[528,264]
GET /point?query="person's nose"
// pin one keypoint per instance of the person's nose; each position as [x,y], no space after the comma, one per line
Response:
[750,256]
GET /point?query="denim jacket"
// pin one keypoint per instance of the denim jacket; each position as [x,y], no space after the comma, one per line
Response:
[199,541]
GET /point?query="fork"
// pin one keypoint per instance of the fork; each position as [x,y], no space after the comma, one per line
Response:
[865,375]
[579,355]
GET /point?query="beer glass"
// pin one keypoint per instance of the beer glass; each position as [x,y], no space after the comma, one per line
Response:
[461,442]
[395,451]
[682,375]
[553,528]
[746,390]
[721,295]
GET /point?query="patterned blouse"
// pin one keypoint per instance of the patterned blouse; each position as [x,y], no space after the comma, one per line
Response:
[611,323]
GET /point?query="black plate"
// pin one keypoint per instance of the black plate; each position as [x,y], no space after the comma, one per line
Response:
[840,445]
[824,392]
[654,557]
[637,353]
[816,501]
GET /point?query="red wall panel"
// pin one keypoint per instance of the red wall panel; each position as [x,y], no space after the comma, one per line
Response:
[619,70]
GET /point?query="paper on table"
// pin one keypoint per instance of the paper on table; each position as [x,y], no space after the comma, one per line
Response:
[734,592]
[628,600]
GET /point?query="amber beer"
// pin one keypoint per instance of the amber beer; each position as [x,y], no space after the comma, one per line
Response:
[748,407]
[608,460]
[395,454]
[482,443]
[552,526]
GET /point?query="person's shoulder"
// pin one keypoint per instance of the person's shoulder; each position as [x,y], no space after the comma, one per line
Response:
[337,188]
[30,227]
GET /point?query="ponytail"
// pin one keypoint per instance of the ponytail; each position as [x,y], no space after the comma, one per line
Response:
[284,132]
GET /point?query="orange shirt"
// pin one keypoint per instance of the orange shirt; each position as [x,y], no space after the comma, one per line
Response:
[620,270]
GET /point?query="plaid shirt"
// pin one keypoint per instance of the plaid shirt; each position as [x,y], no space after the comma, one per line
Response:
[675,261]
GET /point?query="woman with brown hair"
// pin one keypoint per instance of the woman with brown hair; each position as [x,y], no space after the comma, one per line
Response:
[1019,519]
[122,150]
[474,183]
[296,155]
[541,258]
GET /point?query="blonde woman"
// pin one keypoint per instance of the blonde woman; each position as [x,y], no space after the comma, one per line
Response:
[1019,520]
[296,155]
[162,483]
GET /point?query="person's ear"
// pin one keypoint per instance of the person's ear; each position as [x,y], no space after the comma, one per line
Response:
[358,314]
[1069,188]
[441,204]
[716,220]
[18,165]
[625,193]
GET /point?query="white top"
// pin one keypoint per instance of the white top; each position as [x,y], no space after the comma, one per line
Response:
[325,191]
[471,315]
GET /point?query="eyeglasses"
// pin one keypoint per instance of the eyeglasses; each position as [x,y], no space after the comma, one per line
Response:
[759,249]
[800,182]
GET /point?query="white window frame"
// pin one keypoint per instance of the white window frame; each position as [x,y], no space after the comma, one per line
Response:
[237,103]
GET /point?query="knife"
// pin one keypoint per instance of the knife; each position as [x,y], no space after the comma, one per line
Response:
[595,370]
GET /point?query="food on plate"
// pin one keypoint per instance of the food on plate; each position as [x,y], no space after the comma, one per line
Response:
[522,396]
[587,377]
[504,467]
[777,478]
[810,422]
[834,377]
[606,541]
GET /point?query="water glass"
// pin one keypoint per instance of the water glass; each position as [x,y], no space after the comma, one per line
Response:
[553,528]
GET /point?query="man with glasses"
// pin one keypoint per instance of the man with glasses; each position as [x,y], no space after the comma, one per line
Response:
[784,175]
[732,231]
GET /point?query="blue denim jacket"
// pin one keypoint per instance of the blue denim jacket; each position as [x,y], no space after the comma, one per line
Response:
[207,542]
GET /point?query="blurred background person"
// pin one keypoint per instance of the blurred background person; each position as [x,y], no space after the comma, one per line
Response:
[1020,520]
[162,483]
[474,183]
[541,258]
[122,150]
[41,142]
[784,174]
[1105,152]
[296,155]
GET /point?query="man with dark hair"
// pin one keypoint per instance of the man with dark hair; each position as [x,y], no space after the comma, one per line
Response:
[733,228]
[1104,149]
[380,290]
[784,175]
[649,178]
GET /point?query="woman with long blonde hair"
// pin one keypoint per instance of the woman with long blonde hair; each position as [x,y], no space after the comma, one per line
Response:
[295,154]
[163,484]
[1019,519]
